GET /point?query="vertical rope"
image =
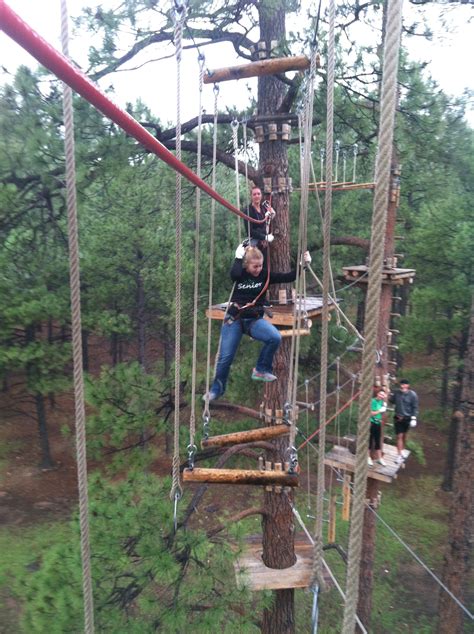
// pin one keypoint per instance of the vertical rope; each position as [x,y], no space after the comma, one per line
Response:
[206,413]
[318,542]
[197,249]
[75,287]
[176,490]
[235,144]
[379,219]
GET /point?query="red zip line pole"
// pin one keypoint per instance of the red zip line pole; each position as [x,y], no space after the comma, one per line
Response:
[315,433]
[53,60]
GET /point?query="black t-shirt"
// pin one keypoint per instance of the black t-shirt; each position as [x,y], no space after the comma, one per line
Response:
[248,287]
[257,232]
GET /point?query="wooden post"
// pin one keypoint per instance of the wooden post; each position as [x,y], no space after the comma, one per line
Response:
[258,69]
[346,497]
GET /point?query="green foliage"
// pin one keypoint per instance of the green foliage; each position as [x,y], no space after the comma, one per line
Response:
[146,578]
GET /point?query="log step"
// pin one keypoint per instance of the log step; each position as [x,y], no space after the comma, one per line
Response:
[241,476]
[251,435]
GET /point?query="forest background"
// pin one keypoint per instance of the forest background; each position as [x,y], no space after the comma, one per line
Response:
[126,208]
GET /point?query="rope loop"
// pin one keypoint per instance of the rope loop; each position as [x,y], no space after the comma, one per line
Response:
[177,496]
[234,123]
[216,89]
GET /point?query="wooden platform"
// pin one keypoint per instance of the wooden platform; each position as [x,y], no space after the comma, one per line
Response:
[342,458]
[251,572]
[281,314]
[394,276]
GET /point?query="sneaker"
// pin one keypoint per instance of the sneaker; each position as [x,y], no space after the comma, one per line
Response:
[405,453]
[370,462]
[268,377]
[382,462]
[212,396]
[399,459]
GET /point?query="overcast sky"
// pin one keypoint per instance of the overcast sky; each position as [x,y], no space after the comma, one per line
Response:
[449,54]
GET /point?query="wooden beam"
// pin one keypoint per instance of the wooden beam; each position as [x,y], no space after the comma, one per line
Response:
[258,69]
[332,519]
[241,476]
[251,435]
[346,497]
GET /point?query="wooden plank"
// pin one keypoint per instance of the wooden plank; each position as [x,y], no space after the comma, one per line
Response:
[332,519]
[250,435]
[342,458]
[240,476]
[272,66]
[251,572]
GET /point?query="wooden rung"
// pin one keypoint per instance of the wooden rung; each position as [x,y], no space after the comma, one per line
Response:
[251,435]
[271,66]
[241,476]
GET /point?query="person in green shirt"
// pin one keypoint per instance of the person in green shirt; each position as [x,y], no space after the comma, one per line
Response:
[377,407]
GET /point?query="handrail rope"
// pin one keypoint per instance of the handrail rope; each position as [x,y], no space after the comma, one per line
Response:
[318,547]
[312,405]
[211,260]
[19,31]
[318,374]
[345,288]
[176,490]
[197,250]
[75,289]
[410,550]
[235,144]
[379,219]
[402,542]
[339,310]
[329,420]
[247,197]
[331,275]
[328,570]
[300,303]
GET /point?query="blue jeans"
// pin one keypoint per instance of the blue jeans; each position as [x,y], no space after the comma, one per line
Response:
[231,334]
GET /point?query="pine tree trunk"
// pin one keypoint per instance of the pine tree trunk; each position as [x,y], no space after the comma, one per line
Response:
[277,525]
[458,554]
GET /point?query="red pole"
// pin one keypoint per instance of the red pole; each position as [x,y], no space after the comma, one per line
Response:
[315,433]
[25,36]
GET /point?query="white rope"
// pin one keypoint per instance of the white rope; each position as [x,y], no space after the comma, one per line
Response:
[75,287]
[382,178]
[235,143]
[326,567]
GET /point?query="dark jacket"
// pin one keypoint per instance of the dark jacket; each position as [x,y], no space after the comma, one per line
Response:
[406,403]
[248,287]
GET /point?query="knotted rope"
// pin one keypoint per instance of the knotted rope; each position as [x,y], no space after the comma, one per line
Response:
[382,180]
[176,491]
[75,287]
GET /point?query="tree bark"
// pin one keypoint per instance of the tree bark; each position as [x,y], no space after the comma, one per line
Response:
[47,461]
[364,607]
[277,523]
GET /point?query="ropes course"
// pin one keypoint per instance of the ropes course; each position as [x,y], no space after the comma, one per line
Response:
[275,479]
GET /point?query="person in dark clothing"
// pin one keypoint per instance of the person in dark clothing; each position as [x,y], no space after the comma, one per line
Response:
[245,316]
[406,412]
[377,408]
[259,210]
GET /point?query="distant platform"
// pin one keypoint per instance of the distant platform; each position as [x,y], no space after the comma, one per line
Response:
[342,458]
[394,276]
[251,572]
